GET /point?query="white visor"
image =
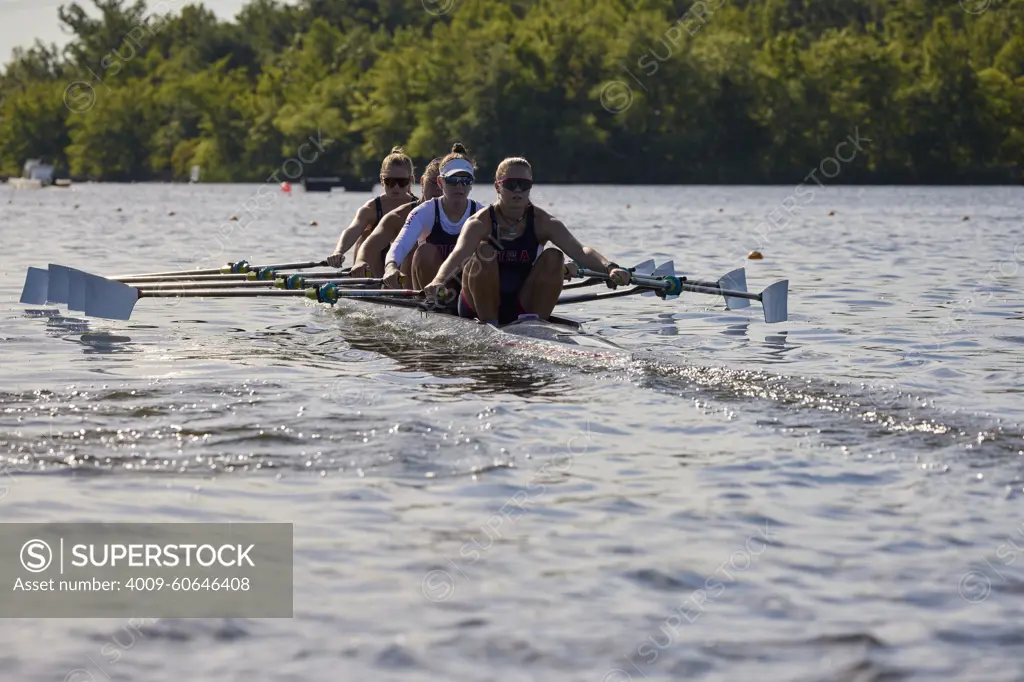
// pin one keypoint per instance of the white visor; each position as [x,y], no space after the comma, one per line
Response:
[457,166]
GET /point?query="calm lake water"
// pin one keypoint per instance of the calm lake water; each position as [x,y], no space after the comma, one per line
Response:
[838,497]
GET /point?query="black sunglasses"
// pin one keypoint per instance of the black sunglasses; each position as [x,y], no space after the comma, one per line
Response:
[457,180]
[516,184]
[392,182]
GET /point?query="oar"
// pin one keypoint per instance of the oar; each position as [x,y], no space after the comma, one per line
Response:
[231,268]
[263,274]
[735,280]
[774,299]
[292,282]
[645,268]
[113,300]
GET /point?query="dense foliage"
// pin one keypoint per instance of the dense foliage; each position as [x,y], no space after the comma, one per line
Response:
[589,90]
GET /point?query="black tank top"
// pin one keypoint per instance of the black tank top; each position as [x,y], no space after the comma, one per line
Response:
[438,237]
[514,257]
[380,208]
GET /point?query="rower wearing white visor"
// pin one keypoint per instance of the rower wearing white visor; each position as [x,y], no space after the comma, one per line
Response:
[435,225]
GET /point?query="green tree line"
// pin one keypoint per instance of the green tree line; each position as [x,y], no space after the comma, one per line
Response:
[624,91]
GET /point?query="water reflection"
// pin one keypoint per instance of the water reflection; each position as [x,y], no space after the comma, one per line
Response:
[477,367]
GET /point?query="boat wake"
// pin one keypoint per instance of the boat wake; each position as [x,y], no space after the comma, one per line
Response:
[362,368]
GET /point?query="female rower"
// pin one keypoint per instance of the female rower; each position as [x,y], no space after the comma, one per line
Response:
[370,256]
[434,225]
[506,274]
[396,174]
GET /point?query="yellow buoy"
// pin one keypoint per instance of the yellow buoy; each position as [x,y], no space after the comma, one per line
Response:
[754,255]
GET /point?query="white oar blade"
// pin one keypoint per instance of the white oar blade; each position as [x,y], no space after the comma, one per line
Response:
[57,286]
[108,299]
[666,269]
[775,302]
[76,290]
[645,268]
[735,281]
[36,285]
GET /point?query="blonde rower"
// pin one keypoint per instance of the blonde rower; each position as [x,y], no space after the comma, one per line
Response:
[505,273]
[396,174]
[433,227]
[370,256]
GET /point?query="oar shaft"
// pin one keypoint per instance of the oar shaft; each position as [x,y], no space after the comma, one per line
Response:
[717,291]
[217,293]
[267,276]
[311,292]
[250,284]
[240,267]
[181,277]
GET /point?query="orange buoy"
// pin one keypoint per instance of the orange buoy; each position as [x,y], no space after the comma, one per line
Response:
[754,255]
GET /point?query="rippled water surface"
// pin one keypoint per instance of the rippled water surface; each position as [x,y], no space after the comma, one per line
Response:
[838,497]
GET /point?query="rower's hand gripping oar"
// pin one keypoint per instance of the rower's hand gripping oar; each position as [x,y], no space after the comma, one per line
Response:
[774,299]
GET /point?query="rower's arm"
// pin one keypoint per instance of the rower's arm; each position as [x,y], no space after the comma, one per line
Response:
[473,232]
[381,237]
[415,225]
[558,234]
[350,235]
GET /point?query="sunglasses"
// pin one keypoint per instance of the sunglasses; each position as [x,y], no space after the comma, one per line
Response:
[516,184]
[458,180]
[396,182]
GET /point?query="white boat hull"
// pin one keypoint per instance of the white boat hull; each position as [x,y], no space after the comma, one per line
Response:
[24,183]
